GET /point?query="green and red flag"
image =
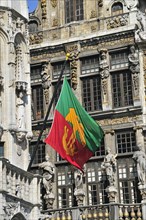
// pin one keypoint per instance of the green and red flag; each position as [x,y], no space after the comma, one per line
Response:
[73,134]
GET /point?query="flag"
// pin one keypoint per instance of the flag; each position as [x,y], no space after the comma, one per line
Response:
[73,134]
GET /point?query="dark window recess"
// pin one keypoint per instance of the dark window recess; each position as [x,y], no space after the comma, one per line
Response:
[74,10]
[91,93]
[37,103]
[125,141]
[57,67]
[101,150]
[40,153]
[117,8]
[1,149]
[128,182]
[122,89]
[35,72]
[33,26]
[119,60]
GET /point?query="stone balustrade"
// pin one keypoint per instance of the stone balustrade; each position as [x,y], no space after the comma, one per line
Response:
[99,212]
[18,183]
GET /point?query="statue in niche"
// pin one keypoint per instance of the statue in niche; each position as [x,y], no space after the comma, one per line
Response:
[48,174]
[109,166]
[45,77]
[103,64]
[140,33]
[134,60]
[20,111]
[140,157]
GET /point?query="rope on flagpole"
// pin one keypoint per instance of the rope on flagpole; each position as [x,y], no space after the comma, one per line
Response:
[48,112]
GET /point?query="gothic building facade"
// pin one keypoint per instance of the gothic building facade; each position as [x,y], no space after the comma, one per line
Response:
[106,40]
[106,70]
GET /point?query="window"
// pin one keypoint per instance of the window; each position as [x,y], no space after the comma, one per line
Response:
[35,72]
[65,187]
[74,10]
[57,67]
[33,26]
[59,158]
[91,84]
[125,141]
[117,8]
[37,102]
[97,184]
[128,182]
[1,149]
[91,93]
[119,60]
[122,89]
[40,153]
[101,150]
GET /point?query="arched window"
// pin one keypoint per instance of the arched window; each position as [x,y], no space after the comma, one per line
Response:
[117,8]
[74,10]
[33,26]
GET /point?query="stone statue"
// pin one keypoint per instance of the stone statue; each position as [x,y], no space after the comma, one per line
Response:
[134,60]
[140,157]
[20,111]
[103,64]
[109,166]
[79,191]
[48,174]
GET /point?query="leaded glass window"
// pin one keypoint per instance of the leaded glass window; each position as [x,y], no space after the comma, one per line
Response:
[74,10]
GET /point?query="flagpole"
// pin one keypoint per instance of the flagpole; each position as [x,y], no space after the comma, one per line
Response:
[48,112]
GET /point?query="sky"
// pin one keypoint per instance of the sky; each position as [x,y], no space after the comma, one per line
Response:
[32,5]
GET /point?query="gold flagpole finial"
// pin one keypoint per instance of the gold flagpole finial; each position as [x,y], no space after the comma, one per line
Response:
[67,56]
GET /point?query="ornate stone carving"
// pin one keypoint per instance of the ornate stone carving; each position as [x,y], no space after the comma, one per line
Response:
[135,69]
[21,86]
[79,191]
[140,34]
[103,64]
[117,121]
[133,6]
[2,23]
[48,179]
[134,60]
[20,110]
[109,166]
[45,81]
[55,22]
[44,11]
[93,14]
[117,21]
[19,23]
[54,3]
[36,38]
[11,208]
[73,64]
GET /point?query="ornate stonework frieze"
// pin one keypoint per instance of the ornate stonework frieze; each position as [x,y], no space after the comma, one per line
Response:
[44,11]
[117,121]
[54,3]
[117,21]
[55,22]
[36,38]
